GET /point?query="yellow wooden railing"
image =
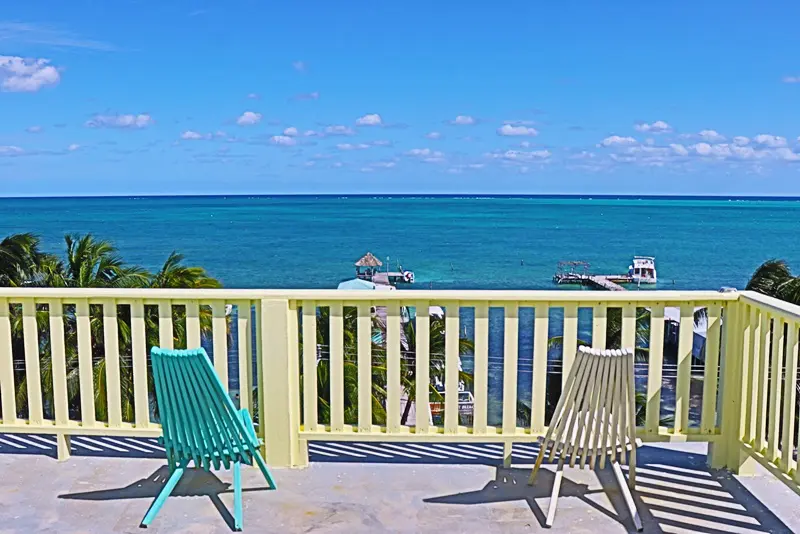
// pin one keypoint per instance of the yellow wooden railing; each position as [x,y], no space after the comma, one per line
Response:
[747,415]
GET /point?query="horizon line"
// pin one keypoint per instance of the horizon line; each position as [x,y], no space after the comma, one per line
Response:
[466,196]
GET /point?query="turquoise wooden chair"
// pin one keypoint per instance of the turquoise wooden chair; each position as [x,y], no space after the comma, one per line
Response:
[201,424]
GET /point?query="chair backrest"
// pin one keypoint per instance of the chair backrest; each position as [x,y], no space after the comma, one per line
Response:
[198,418]
[596,413]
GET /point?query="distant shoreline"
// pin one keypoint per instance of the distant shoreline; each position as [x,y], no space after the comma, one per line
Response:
[424,196]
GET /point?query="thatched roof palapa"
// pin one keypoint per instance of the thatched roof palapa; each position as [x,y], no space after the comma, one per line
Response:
[368,260]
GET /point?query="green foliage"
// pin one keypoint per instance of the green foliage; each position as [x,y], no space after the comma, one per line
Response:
[91,263]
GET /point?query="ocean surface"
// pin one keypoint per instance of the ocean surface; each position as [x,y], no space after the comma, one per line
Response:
[450,243]
[490,243]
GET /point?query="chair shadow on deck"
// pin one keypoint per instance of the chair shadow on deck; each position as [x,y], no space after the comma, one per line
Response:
[195,483]
[674,492]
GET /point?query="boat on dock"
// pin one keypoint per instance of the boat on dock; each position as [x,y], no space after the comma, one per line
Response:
[368,268]
[641,271]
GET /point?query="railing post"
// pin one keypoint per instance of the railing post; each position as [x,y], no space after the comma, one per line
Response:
[279,387]
[727,451]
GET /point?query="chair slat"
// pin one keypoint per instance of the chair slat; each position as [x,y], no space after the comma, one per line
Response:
[586,442]
[194,446]
[608,420]
[600,410]
[561,433]
[585,402]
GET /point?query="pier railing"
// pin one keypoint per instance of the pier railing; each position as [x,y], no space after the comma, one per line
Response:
[343,365]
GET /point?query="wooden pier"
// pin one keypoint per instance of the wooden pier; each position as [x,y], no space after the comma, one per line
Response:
[602,281]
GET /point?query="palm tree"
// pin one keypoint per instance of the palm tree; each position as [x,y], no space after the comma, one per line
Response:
[90,262]
[774,278]
[19,259]
[436,350]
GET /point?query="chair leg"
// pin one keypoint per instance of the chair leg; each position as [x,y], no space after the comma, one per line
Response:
[551,511]
[626,493]
[165,492]
[237,496]
[539,460]
[264,470]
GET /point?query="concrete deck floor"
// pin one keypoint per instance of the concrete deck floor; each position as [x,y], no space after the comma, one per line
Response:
[676,493]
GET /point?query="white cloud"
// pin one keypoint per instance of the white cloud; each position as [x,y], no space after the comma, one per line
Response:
[424,152]
[299,66]
[383,164]
[339,130]
[10,150]
[291,131]
[772,141]
[679,150]
[521,155]
[741,140]
[370,119]
[190,135]
[21,75]
[786,154]
[463,120]
[248,118]
[711,136]
[791,79]
[617,140]
[282,140]
[73,147]
[656,127]
[349,146]
[33,129]
[381,142]
[142,120]
[703,149]
[433,135]
[507,129]
[525,144]
[310,133]
[254,96]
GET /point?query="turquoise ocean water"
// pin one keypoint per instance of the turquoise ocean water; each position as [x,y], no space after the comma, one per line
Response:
[492,243]
[466,243]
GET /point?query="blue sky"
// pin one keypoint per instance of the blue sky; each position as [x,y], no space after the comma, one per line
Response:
[204,97]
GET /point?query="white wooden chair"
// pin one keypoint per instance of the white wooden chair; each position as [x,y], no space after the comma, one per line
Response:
[595,417]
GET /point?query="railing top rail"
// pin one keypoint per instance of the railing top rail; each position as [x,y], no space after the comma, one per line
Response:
[772,304]
[405,295]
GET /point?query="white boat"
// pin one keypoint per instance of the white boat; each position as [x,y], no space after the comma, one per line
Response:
[643,270]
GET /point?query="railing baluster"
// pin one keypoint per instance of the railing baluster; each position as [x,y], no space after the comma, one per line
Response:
[393,386]
[59,362]
[451,361]
[763,383]
[111,344]
[570,345]
[85,366]
[655,368]
[685,343]
[423,366]
[708,417]
[245,344]
[364,326]
[219,333]
[789,398]
[166,337]
[7,388]
[629,326]
[32,371]
[310,395]
[481,380]
[751,402]
[192,324]
[539,388]
[599,325]
[774,414]
[510,361]
[141,402]
[337,366]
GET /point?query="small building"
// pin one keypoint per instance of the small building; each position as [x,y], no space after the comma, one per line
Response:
[367,266]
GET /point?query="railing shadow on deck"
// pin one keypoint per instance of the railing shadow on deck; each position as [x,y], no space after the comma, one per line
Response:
[675,492]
